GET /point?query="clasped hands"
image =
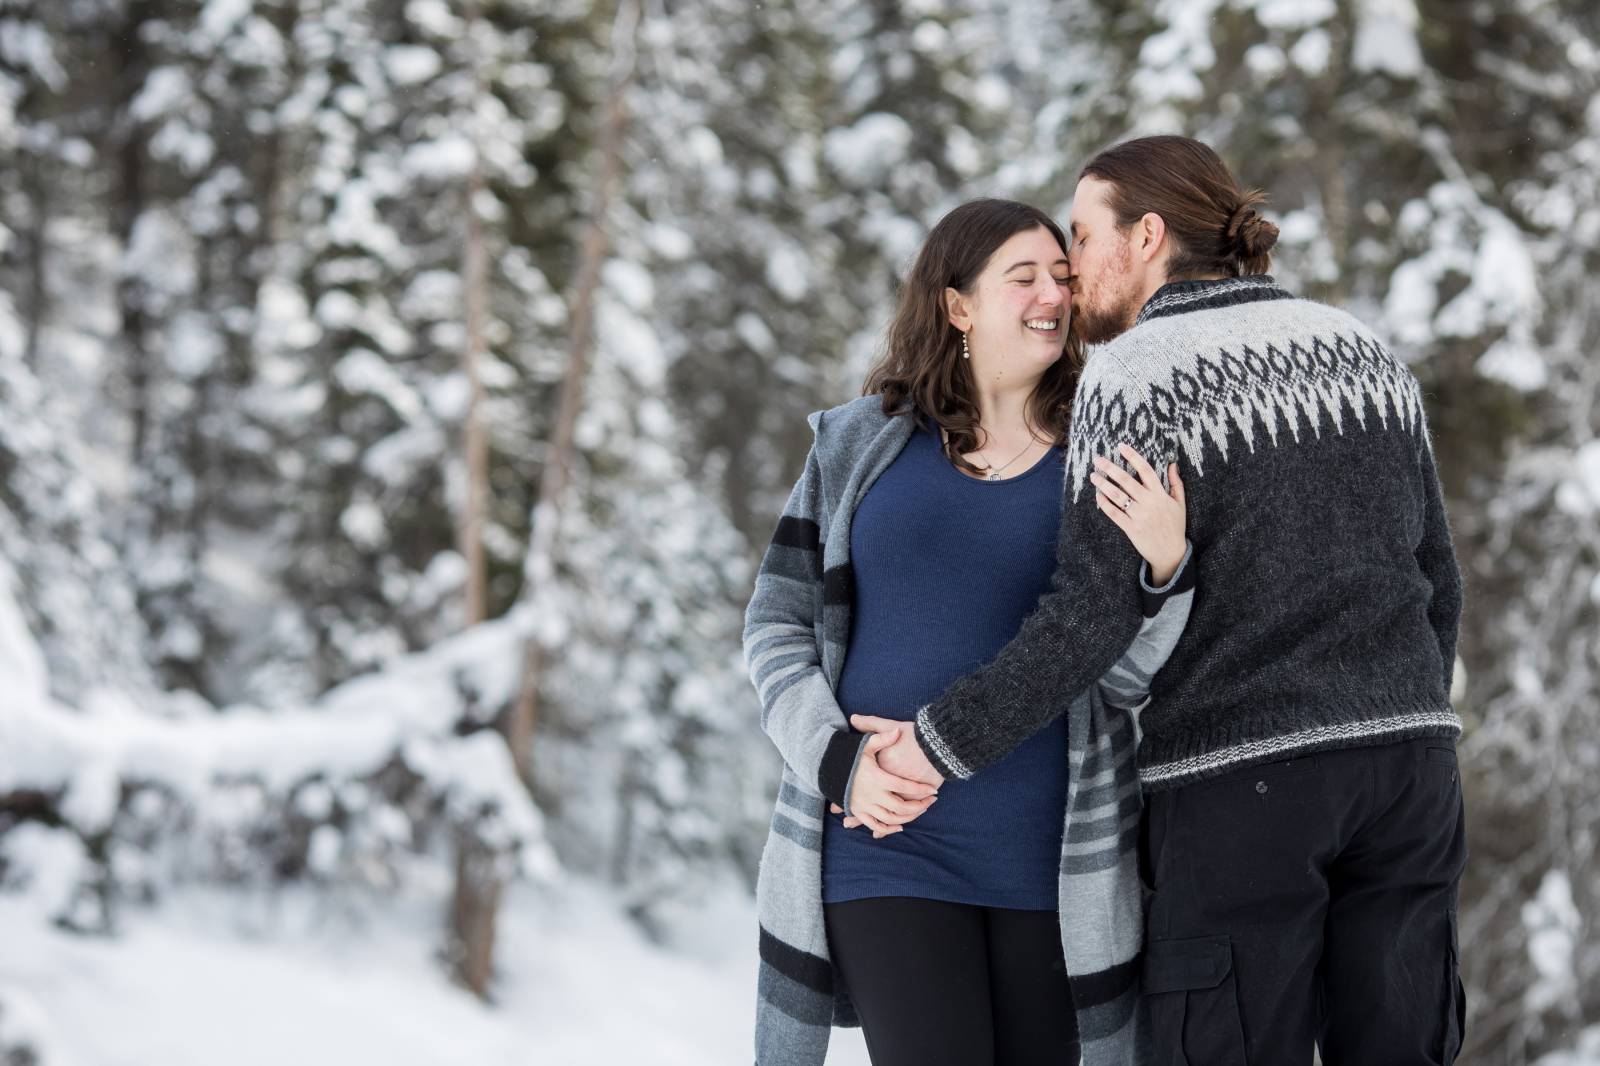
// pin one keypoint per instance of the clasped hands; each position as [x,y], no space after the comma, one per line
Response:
[894,782]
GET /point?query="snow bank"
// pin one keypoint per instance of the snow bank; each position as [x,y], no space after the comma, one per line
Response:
[366,775]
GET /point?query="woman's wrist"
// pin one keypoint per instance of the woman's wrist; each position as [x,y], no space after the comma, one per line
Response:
[1163,572]
[1160,577]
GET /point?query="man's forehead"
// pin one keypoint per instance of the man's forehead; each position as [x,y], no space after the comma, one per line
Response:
[1089,203]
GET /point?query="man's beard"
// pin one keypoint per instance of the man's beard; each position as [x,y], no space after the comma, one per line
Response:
[1097,325]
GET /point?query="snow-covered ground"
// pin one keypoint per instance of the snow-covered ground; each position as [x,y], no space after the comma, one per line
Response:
[203,980]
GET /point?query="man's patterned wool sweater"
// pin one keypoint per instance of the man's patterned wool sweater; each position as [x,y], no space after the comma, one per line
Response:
[1328,593]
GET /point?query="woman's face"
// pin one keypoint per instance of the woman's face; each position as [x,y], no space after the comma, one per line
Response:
[1018,311]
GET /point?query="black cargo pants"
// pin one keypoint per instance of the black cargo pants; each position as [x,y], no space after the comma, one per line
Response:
[1312,900]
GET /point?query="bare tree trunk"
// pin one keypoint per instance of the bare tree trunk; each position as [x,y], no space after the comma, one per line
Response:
[130,149]
[38,186]
[474,908]
[475,902]
[475,283]
[553,480]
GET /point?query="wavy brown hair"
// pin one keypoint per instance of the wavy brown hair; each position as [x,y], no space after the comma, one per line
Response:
[921,371]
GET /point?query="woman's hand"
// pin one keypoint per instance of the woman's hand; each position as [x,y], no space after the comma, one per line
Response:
[1153,519]
[879,800]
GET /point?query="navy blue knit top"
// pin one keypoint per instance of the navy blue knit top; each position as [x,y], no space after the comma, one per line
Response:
[946,568]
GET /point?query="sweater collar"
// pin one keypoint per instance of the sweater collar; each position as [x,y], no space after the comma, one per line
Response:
[1180,297]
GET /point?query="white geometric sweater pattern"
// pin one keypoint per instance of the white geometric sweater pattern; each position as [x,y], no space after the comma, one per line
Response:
[1255,375]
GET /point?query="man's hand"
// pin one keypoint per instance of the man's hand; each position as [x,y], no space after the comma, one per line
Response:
[904,757]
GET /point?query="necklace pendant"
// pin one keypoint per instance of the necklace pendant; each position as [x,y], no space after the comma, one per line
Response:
[994,475]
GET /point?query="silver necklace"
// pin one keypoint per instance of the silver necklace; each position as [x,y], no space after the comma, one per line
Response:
[992,473]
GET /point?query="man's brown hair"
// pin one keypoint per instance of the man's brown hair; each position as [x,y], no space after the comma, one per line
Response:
[1215,226]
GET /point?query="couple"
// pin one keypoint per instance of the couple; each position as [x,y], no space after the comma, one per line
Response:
[982,601]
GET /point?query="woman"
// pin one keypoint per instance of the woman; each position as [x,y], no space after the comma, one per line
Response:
[918,539]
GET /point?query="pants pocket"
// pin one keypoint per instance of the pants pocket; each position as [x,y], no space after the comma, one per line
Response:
[1193,1002]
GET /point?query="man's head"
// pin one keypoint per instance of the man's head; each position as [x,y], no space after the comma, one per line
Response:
[1155,210]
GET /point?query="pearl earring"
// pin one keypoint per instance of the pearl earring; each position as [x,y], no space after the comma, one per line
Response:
[966,353]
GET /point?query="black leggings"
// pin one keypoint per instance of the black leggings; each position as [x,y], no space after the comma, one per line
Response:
[946,983]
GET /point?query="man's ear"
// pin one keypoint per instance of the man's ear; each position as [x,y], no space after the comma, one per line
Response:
[1150,235]
[957,309]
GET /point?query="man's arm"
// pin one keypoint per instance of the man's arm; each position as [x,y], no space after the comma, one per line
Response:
[1437,557]
[1083,624]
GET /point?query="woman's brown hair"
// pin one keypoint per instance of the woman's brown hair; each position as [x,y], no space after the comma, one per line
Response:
[921,370]
[1215,226]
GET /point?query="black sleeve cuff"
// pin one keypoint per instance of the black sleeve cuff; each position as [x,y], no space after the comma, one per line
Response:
[1152,599]
[833,776]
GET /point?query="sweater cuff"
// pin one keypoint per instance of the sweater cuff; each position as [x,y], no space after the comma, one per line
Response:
[850,782]
[938,752]
[839,766]
[1151,598]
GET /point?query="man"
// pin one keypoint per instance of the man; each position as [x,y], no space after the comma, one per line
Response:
[1303,828]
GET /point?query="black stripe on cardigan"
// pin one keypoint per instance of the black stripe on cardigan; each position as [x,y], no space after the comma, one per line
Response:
[799,966]
[797,533]
[1105,986]
[833,776]
[838,586]
[1181,582]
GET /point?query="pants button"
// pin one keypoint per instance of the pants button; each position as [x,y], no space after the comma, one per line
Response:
[1261,787]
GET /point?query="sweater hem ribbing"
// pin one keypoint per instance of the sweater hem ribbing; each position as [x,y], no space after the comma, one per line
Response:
[1173,765]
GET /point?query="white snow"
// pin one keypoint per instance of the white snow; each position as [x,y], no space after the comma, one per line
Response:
[22,664]
[221,16]
[1386,38]
[409,64]
[364,523]
[1312,51]
[1170,61]
[1265,60]
[1553,924]
[355,220]
[629,282]
[1290,14]
[1578,494]
[445,159]
[1586,1052]
[434,16]
[320,978]
[364,372]
[165,89]
[194,346]
[1516,364]
[788,270]
[754,332]
[865,152]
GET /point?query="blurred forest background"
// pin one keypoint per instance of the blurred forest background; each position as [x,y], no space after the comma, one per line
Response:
[396,397]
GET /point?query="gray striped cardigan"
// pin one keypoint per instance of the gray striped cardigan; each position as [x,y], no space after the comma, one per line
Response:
[795,634]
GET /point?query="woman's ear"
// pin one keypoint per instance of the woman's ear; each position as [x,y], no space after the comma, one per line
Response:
[956,309]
